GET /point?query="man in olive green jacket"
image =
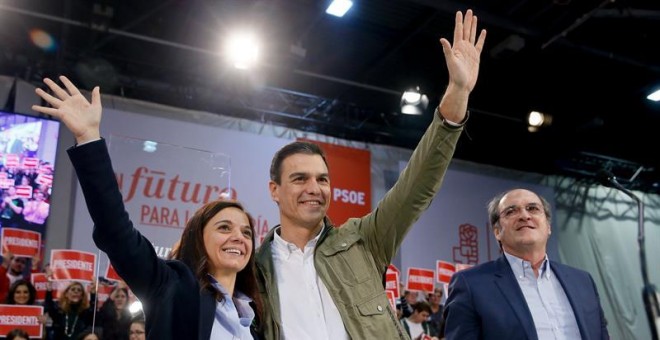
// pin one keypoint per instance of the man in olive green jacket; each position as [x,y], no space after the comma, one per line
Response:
[322,282]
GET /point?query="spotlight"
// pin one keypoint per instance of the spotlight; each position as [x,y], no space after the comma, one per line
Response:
[413,102]
[654,96]
[242,50]
[536,120]
[339,7]
[149,146]
[135,307]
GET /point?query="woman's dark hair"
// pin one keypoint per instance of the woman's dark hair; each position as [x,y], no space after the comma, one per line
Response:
[12,290]
[86,333]
[123,289]
[115,322]
[17,332]
[192,252]
[138,318]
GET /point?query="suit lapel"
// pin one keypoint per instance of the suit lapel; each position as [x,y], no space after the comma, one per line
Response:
[506,282]
[207,307]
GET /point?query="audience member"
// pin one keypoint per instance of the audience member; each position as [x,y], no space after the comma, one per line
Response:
[136,331]
[435,301]
[35,212]
[74,312]
[114,316]
[11,209]
[21,292]
[416,325]
[406,302]
[89,335]
[17,334]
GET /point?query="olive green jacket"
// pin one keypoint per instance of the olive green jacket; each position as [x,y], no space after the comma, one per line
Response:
[351,260]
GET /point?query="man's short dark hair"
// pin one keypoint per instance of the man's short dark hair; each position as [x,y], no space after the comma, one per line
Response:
[291,149]
[422,306]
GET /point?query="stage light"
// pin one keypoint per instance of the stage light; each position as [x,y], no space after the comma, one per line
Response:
[413,102]
[43,40]
[149,146]
[339,7]
[135,307]
[242,50]
[654,96]
[536,120]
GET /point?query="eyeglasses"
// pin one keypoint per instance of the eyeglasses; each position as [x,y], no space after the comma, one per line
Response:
[513,211]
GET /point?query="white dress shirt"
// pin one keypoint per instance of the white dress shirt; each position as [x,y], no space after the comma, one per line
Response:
[552,312]
[306,307]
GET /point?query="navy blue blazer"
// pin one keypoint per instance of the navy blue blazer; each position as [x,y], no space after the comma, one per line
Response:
[174,305]
[486,302]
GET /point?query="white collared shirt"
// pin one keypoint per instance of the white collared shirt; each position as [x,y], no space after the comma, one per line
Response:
[233,316]
[306,307]
[552,312]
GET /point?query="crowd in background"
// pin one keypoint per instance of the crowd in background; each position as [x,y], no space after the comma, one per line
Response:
[75,315]
[421,314]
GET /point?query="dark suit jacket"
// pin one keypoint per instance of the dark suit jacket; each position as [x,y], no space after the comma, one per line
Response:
[173,303]
[486,302]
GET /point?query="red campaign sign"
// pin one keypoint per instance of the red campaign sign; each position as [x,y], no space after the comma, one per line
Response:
[392,283]
[391,298]
[420,279]
[20,242]
[72,265]
[30,162]
[462,266]
[393,268]
[5,183]
[11,161]
[45,169]
[24,191]
[45,179]
[444,271]
[103,293]
[40,281]
[111,274]
[20,316]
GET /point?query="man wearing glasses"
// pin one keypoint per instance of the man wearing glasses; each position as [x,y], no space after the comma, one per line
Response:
[523,295]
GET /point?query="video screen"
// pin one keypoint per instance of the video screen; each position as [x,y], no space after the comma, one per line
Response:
[28,145]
